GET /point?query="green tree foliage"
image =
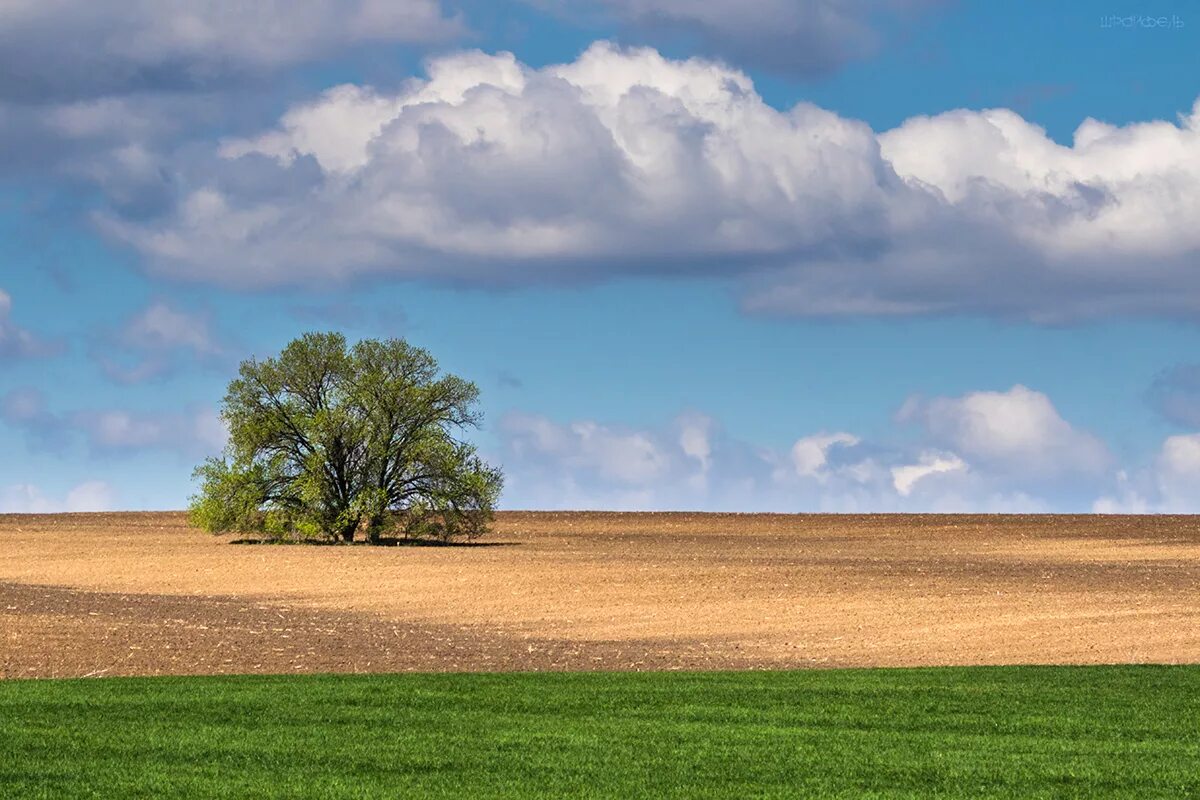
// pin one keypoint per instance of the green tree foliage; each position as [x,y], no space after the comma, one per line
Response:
[330,441]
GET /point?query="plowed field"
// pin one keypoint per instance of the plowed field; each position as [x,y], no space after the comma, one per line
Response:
[122,594]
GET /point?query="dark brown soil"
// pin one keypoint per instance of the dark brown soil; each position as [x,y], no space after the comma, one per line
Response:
[54,632]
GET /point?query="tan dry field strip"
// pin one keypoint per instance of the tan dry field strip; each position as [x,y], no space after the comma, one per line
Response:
[125,593]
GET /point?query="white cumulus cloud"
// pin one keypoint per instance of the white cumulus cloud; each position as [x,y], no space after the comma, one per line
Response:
[1018,430]
[981,451]
[906,476]
[1169,484]
[625,162]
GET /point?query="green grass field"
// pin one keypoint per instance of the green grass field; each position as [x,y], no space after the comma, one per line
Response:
[1007,732]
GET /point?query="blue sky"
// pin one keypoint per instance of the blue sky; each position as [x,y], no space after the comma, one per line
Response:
[796,255]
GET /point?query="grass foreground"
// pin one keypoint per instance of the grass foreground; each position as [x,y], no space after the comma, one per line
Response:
[1129,731]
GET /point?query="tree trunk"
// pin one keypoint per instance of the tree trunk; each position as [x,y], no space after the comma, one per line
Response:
[347,534]
[374,528]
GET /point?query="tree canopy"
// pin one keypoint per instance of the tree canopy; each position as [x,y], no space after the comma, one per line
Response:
[331,441]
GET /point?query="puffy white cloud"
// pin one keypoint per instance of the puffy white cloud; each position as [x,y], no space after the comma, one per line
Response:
[1018,430]
[587,464]
[25,498]
[1169,484]
[906,476]
[17,342]
[499,173]
[985,452]
[1104,192]
[625,162]
[1019,225]
[79,47]
[1177,472]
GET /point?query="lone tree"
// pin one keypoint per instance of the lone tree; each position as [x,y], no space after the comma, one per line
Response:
[328,441]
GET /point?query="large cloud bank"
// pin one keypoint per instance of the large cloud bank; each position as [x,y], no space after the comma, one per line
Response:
[624,162]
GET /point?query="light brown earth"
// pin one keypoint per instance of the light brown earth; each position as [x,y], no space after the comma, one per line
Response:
[114,594]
